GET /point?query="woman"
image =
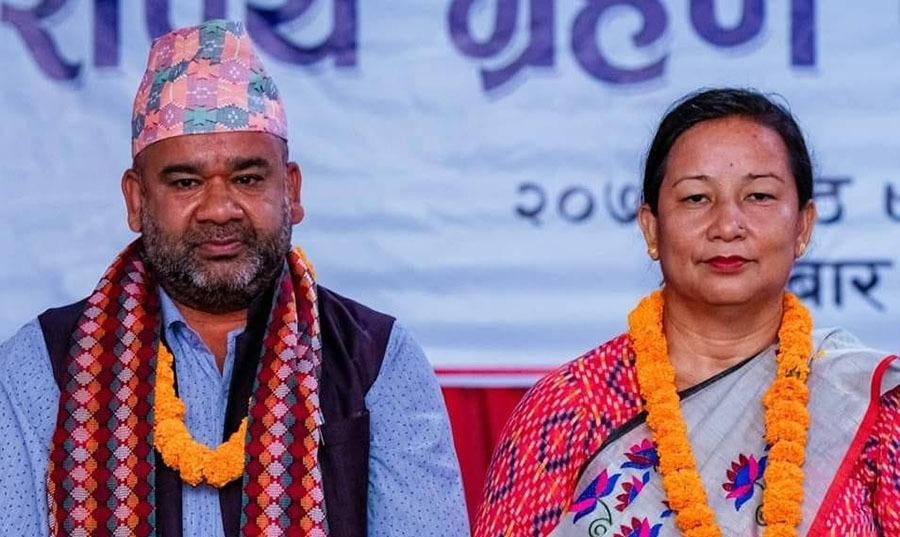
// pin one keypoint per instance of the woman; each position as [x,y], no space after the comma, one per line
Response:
[720,412]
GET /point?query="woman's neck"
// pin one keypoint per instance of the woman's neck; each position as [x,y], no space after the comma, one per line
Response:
[704,340]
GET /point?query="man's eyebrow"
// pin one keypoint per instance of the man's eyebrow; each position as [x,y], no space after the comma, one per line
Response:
[235,164]
[242,163]
[189,168]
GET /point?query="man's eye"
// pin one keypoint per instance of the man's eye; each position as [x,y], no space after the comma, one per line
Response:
[247,179]
[184,183]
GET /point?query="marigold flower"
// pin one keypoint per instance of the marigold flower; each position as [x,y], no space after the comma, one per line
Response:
[194,461]
[786,420]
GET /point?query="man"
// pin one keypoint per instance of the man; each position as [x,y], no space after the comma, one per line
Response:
[298,411]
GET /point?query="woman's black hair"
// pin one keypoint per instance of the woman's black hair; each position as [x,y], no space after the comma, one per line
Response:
[721,103]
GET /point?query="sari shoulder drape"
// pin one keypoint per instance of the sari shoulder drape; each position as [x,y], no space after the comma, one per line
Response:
[864,499]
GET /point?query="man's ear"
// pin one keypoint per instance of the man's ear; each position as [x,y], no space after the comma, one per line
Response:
[294,182]
[132,190]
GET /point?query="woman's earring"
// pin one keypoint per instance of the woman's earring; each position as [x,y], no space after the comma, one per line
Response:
[802,249]
[653,253]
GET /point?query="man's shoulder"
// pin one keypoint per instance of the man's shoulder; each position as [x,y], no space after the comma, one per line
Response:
[354,332]
[24,354]
[337,304]
[57,326]
[348,318]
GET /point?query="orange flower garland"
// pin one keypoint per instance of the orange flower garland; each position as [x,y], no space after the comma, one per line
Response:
[194,461]
[786,415]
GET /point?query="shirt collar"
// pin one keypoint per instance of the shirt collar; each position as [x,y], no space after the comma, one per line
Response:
[173,320]
[171,317]
[258,311]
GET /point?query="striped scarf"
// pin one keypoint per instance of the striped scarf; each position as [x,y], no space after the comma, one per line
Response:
[101,470]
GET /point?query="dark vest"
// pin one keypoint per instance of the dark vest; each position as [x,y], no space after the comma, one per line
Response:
[354,339]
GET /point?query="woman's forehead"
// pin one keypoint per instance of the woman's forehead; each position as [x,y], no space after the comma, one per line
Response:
[728,147]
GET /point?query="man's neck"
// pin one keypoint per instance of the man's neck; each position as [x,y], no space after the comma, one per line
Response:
[704,340]
[213,328]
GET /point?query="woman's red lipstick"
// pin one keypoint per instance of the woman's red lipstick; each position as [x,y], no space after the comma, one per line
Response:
[727,264]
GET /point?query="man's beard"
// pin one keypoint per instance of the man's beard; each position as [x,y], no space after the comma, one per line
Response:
[210,285]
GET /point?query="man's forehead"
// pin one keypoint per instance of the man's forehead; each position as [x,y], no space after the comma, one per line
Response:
[214,148]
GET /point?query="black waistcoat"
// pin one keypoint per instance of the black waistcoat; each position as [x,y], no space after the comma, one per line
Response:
[354,339]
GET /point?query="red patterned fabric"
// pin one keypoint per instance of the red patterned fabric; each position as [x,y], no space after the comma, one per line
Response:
[568,414]
[552,432]
[870,503]
[101,471]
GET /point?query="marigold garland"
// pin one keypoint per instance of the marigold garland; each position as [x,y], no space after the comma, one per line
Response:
[194,461]
[786,416]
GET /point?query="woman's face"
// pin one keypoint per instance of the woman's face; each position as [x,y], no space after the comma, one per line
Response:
[728,226]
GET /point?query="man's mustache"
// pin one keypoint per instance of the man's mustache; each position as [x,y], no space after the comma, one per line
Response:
[219,232]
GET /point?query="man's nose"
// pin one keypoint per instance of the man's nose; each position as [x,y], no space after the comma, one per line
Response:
[218,204]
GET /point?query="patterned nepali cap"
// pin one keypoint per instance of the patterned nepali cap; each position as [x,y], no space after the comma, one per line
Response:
[204,79]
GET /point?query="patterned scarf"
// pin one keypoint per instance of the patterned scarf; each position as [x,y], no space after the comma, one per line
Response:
[101,471]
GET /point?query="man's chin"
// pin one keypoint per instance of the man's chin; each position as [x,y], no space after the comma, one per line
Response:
[223,268]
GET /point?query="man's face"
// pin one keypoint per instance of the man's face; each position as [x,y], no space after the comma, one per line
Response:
[215,212]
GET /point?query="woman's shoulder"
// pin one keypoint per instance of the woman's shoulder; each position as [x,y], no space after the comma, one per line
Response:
[840,340]
[613,357]
[554,429]
[600,385]
[838,346]
[841,360]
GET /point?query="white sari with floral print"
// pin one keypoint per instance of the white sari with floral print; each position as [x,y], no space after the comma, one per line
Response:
[619,492]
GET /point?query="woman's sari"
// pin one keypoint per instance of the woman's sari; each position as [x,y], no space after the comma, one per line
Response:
[552,476]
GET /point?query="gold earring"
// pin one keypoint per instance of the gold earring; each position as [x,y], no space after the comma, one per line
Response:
[652,252]
[802,249]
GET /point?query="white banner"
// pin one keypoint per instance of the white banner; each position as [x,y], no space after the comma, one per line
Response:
[470,166]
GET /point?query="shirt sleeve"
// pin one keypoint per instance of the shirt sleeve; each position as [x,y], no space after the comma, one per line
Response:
[415,486]
[535,465]
[29,400]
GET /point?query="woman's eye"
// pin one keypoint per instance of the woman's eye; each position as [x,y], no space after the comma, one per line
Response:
[695,198]
[761,196]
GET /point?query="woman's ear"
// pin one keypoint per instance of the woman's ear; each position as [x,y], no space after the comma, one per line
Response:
[808,216]
[650,229]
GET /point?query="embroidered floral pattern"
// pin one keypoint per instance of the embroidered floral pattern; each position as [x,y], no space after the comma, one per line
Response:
[642,456]
[630,490]
[639,528]
[590,497]
[744,476]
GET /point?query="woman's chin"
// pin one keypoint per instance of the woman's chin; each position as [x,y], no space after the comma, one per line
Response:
[730,293]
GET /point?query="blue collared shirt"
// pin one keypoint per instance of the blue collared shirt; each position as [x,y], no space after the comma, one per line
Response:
[414,481]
